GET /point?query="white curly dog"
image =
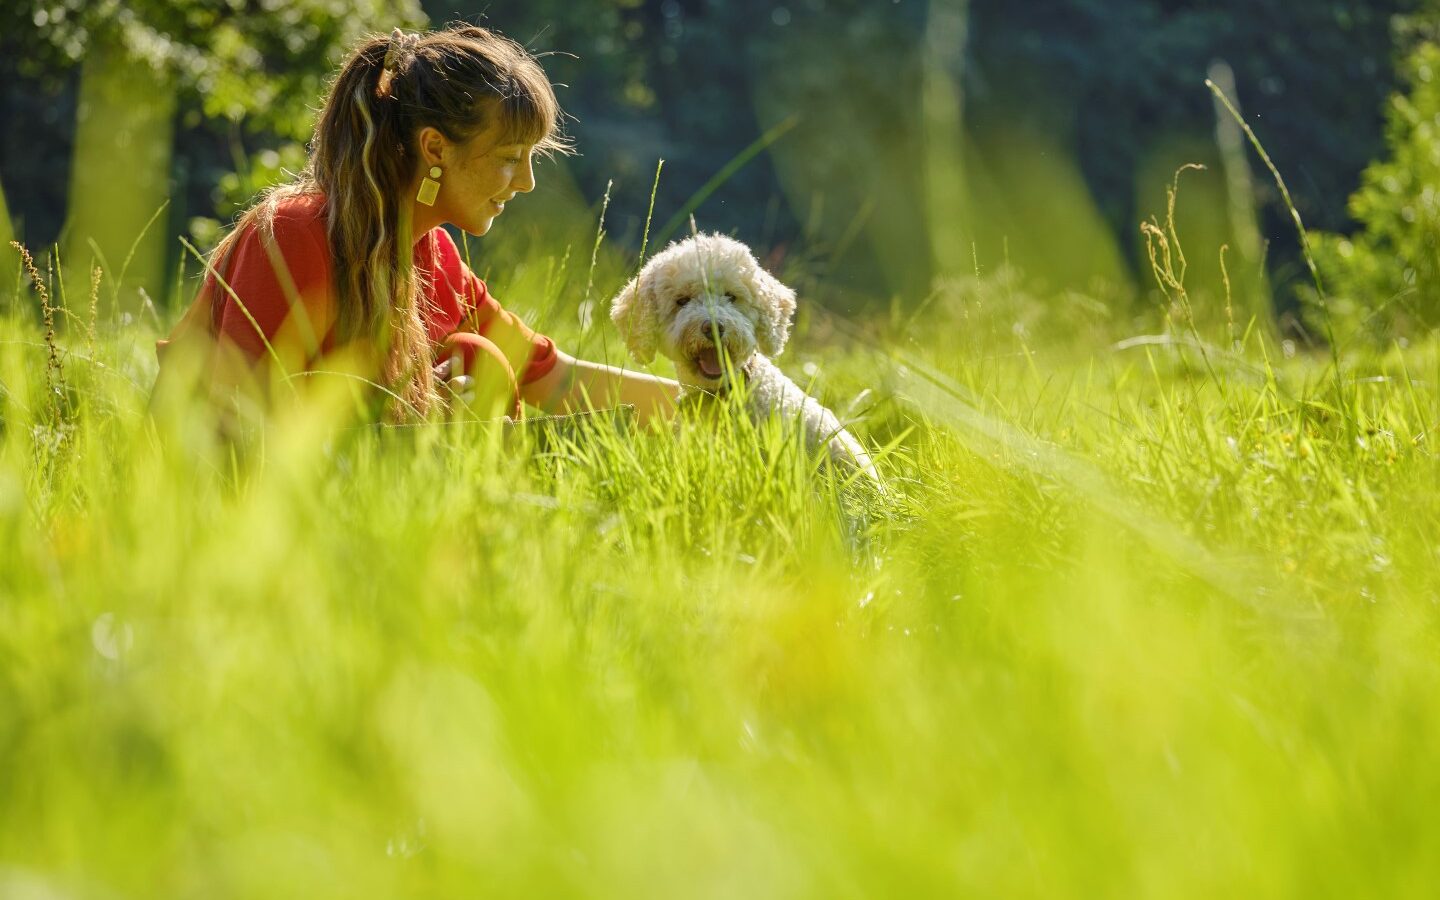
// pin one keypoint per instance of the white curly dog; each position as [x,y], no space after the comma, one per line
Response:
[706,294]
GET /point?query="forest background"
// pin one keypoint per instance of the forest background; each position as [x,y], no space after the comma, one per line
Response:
[865,148]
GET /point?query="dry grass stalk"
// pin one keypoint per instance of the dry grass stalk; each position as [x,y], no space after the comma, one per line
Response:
[54,367]
[95,274]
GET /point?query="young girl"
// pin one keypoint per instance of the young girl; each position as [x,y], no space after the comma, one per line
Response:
[345,274]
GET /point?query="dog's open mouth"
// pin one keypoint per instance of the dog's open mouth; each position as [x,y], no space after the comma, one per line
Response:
[708,363]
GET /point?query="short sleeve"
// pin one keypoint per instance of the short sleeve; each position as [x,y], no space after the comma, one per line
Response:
[485,316]
[531,354]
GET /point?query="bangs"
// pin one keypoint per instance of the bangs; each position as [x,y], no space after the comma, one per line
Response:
[530,114]
[465,80]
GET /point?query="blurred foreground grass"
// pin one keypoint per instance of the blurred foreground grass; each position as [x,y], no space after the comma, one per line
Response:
[1149,617]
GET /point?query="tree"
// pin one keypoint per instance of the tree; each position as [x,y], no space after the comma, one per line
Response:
[1383,282]
[148,66]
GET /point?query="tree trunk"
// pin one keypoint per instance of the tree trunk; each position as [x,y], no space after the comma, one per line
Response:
[949,213]
[120,178]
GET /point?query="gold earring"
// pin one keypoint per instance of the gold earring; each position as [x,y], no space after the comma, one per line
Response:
[429,187]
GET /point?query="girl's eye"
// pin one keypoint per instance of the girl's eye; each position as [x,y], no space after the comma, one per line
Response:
[682,301]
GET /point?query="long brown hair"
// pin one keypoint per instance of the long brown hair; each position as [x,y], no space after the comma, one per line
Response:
[363,158]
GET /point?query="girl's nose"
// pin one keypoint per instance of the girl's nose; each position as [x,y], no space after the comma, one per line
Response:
[524,181]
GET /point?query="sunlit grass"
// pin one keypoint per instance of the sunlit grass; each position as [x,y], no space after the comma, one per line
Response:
[1129,621]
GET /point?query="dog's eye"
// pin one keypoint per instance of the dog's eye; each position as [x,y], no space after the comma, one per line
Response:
[681,301]
[729,298]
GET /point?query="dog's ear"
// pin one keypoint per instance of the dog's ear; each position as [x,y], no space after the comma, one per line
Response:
[633,313]
[777,305]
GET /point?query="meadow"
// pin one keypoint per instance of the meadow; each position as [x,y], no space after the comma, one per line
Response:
[1149,609]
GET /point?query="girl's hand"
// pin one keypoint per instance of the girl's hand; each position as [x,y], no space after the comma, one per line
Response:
[460,386]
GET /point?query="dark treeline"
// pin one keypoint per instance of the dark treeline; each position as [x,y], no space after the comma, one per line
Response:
[857,91]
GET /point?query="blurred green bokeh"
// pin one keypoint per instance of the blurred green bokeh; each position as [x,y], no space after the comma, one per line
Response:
[1131,620]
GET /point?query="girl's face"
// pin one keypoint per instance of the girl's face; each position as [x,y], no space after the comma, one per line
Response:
[479,177]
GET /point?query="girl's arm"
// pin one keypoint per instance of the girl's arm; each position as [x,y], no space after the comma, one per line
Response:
[575,385]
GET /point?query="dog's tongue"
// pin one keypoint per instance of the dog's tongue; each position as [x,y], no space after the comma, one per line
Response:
[709,362]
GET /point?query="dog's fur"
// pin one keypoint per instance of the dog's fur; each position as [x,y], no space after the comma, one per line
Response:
[708,287]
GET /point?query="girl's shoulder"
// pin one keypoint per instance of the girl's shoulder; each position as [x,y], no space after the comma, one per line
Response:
[299,213]
[290,230]
[301,207]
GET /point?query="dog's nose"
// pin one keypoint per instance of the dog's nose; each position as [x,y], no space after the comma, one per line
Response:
[716,330]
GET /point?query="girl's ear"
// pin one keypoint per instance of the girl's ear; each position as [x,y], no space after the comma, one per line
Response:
[633,313]
[777,305]
[431,145]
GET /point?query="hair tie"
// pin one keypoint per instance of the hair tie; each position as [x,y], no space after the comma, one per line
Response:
[399,43]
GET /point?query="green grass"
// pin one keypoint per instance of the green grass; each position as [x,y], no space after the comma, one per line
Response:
[1131,621]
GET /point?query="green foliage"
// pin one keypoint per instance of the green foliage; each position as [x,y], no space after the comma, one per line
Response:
[227,78]
[264,63]
[1384,280]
